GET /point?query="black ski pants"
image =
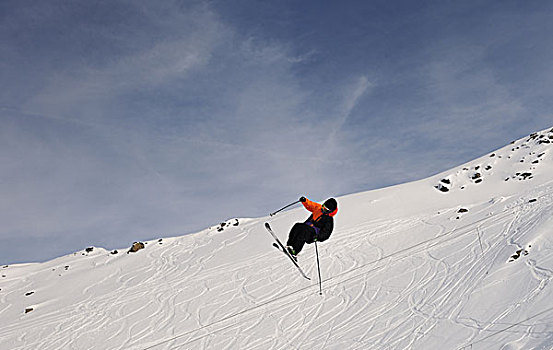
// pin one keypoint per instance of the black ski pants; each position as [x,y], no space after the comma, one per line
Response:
[299,235]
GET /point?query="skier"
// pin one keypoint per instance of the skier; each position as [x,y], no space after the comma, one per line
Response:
[317,228]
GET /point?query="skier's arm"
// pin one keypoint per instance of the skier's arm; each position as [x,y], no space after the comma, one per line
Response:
[311,206]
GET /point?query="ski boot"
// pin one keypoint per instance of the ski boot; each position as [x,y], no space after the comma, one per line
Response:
[292,252]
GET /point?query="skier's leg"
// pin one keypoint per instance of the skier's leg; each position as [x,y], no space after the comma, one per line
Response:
[299,234]
[293,237]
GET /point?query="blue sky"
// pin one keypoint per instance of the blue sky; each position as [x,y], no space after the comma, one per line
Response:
[133,120]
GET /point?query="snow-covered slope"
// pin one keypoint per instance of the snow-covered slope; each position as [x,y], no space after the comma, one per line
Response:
[461,260]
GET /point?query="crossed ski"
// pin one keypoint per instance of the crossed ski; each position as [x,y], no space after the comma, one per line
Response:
[283,249]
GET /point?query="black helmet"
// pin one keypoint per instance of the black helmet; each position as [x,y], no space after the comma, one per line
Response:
[330,204]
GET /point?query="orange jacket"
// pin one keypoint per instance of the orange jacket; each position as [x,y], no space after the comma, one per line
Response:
[315,208]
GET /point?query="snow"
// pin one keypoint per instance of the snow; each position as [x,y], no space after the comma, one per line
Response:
[405,268]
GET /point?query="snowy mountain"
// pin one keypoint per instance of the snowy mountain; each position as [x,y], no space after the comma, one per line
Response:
[460,260]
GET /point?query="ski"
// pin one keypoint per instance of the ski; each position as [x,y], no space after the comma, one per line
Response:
[282,248]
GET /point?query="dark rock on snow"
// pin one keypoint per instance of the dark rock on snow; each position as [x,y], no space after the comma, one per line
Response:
[518,254]
[136,246]
[525,176]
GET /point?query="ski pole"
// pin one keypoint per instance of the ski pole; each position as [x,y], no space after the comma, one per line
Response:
[281,209]
[319,269]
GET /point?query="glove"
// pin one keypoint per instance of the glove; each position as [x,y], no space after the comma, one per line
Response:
[302,199]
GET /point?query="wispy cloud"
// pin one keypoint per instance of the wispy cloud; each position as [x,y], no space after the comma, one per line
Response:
[161,54]
[350,99]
